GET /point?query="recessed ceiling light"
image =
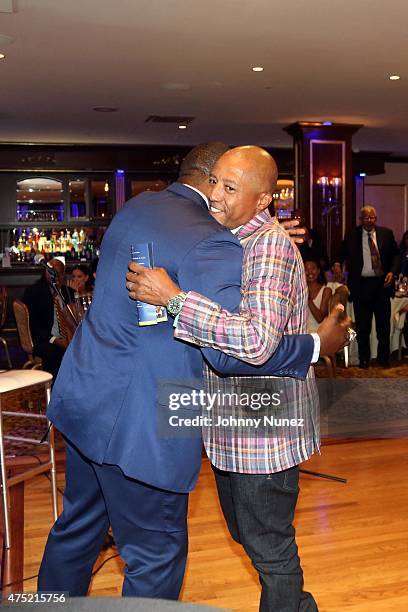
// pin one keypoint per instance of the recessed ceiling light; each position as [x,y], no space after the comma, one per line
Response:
[2,56]
[327,123]
[395,77]
[176,86]
[182,127]
[257,69]
[105,109]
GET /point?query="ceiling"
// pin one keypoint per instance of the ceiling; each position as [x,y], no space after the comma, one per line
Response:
[322,61]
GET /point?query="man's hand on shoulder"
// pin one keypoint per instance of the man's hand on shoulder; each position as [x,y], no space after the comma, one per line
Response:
[153,286]
[296,233]
[333,331]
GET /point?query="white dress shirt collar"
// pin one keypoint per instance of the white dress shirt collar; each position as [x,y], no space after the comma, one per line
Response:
[197,191]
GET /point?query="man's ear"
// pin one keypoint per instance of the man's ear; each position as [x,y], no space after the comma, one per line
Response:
[264,200]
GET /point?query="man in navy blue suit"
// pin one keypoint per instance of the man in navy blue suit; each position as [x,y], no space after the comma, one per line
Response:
[119,470]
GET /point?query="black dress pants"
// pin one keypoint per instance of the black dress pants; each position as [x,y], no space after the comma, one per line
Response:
[371,299]
[259,511]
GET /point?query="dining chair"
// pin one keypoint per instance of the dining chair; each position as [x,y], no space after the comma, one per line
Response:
[66,321]
[3,317]
[22,317]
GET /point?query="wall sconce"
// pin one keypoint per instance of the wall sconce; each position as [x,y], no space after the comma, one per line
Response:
[323,183]
[335,183]
[329,197]
[329,189]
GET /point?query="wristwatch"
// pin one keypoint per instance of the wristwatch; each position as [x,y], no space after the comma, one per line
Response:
[175,304]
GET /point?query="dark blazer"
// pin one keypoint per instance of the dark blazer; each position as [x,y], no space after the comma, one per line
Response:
[107,395]
[38,299]
[351,252]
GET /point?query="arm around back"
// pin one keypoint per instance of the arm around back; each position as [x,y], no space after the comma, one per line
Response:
[213,268]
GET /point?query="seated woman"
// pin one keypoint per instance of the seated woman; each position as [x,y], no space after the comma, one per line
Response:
[81,281]
[319,295]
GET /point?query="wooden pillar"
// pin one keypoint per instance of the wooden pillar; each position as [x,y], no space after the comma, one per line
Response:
[324,178]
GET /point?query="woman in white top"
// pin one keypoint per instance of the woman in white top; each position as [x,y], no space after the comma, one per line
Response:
[319,295]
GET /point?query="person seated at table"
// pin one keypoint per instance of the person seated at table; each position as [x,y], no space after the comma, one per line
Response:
[81,280]
[319,295]
[47,341]
[404,254]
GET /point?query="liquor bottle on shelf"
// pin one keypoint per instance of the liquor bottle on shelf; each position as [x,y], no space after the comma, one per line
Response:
[75,240]
[62,245]
[42,242]
[82,236]
[68,240]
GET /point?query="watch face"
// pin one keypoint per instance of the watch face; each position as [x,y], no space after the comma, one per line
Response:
[175,304]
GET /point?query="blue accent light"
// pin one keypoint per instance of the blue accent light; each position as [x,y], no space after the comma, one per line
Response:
[120,172]
[327,123]
[363,174]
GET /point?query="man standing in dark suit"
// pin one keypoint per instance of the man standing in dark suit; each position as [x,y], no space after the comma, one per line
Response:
[106,401]
[372,259]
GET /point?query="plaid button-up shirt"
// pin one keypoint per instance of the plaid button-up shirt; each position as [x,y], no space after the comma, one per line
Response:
[273,302]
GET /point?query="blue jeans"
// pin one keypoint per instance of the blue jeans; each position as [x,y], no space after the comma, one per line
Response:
[259,511]
[149,527]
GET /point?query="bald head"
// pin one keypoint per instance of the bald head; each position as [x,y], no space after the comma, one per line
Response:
[257,163]
[242,183]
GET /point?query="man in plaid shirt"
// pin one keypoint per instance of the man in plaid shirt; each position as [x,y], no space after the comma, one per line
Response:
[256,471]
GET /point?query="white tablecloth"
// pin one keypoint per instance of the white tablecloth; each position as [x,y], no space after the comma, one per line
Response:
[396,305]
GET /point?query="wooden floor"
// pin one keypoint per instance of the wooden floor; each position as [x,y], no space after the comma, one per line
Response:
[353,538]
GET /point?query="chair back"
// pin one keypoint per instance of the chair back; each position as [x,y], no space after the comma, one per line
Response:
[67,326]
[3,306]
[23,326]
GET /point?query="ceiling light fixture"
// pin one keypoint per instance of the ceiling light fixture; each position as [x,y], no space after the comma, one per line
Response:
[395,77]
[105,109]
[257,68]
[2,56]
[182,127]
[176,86]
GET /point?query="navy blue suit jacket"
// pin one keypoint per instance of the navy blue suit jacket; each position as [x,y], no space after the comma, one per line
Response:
[105,396]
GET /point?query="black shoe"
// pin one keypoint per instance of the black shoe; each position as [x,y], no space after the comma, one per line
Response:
[363,365]
[383,364]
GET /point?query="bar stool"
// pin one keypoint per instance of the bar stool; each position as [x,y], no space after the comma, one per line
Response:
[16,380]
